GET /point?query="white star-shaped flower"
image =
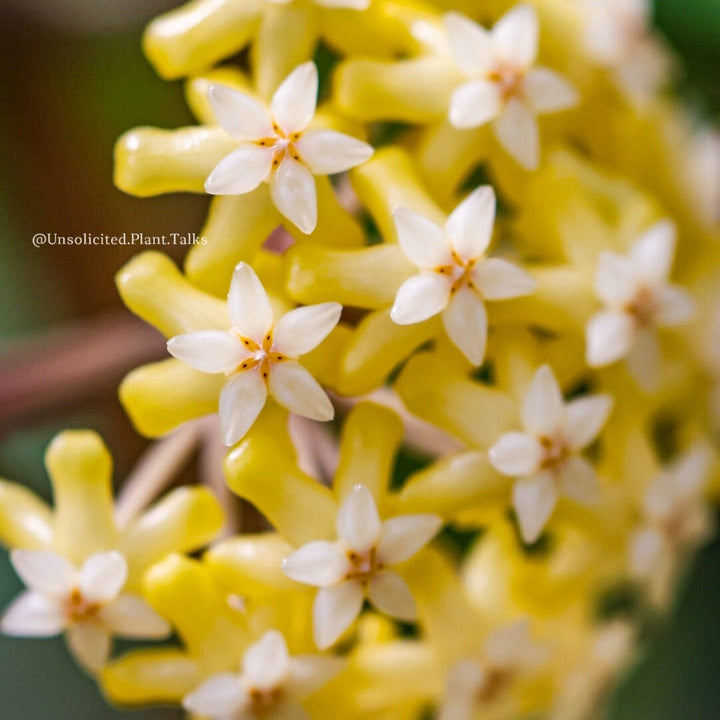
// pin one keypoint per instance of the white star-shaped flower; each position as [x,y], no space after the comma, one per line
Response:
[277,147]
[485,682]
[504,85]
[86,604]
[260,355]
[271,684]
[638,300]
[546,457]
[355,566]
[676,517]
[455,276]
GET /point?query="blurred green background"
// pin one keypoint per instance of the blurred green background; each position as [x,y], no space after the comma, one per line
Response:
[73,80]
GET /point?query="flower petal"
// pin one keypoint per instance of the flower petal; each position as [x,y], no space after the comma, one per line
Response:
[327,152]
[334,610]
[47,572]
[517,131]
[297,390]
[402,536]
[90,643]
[219,696]
[210,351]
[644,358]
[266,663]
[389,593]
[303,329]
[318,563]
[609,335]
[498,279]
[615,280]
[578,481]
[464,681]
[543,410]
[423,242]
[653,252]
[33,615]
[308,673]
[293,104]
[102,577]
[239,115]
[675,306]
[474,103]
[420,297]
[515,36]
[293,191]
[516,454]
[548,91]
[585,418]
[469,43]
[248,304]
[241,400]
[358,522]
[241,171]
[131,616]
[470,225]
[465,322]
[534,500]
[647,547]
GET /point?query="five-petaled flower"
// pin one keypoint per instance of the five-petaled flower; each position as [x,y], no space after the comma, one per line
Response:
[86,604]
[545,457]
[638,299]
[272,684]
[260,355]
[276,146]
[504,86]
[356,565]
[509,653]
[455,277]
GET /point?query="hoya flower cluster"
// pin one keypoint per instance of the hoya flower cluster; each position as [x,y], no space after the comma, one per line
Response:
[478,235]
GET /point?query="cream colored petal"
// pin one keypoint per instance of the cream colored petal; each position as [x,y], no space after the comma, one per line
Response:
[474,103]
[585,418]
[423,242]
[131,616]
[210,351]
[465,322]
[303,329]
[644,359]
[241,400]
[241,171]
[308,673]
[608,337]
[90,643]
[334,611]
[318,563]
[327,152]
[297,390]
[420,297]
[653,252]
[351,4]
[293,191]
[403,536]
[464,682]
[46,572]
[293,104]
[358,522]
[470,225]
[517,131]
[240,115]
[615,279]
[515,36]
[389,593]
[266,663]
[516,454]
[675,306]
[543,410]
[469,43]
[534,500]
[498,279]
[220,696]
[548,91]
[102,576]
[32,614]
[578,481]
[248,304]
[647,547]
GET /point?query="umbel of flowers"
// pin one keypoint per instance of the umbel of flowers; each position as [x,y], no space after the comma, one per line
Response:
[478,237]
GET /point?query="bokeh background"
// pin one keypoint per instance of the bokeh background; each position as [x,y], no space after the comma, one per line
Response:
[72,79]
